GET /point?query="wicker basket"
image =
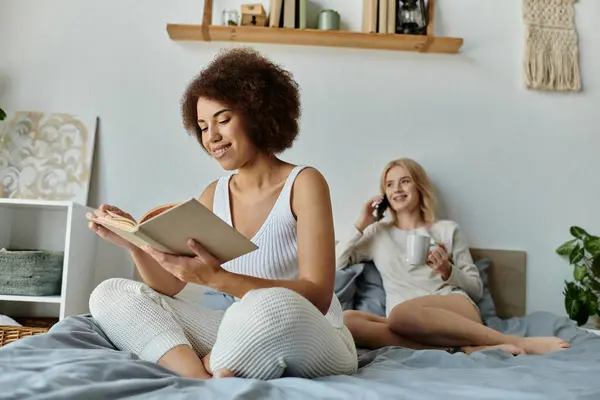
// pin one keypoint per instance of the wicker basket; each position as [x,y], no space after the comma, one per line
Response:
[31,272]
[31,326]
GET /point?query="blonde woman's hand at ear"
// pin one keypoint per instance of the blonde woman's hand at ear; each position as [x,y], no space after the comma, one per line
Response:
[366,217]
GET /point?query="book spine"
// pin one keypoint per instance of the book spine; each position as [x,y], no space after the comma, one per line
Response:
[275,13]
[383,16]
[392,10]
[369,23]
[289,14]
[302,14]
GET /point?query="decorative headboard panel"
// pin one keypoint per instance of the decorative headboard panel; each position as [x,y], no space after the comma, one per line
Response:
[507,280]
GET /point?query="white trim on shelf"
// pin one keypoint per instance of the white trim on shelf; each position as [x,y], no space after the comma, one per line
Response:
[40,203]
[31,299]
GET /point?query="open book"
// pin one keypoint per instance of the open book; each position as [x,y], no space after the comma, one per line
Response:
[168,228]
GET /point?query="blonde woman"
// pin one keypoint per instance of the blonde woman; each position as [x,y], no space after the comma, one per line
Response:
[431,305]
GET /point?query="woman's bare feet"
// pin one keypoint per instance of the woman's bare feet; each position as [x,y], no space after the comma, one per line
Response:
[223,373]
[542,345]
[509,348]
[184,361]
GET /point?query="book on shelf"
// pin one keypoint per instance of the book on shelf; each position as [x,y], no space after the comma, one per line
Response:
[391,18]
[289,14]
[302,14]
[379,16]
[382,24]
[370,16]
[169,227]
[275,11]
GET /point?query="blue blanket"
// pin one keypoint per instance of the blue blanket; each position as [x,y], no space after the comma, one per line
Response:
[77,361]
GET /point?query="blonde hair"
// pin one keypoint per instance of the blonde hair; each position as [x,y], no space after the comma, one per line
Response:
[427,198]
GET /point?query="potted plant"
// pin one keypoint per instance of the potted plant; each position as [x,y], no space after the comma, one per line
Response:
[582,295]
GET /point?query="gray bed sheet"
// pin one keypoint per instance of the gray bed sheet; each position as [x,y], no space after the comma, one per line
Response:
[75,360]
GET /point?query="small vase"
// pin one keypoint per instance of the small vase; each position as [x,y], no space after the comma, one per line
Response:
[592,323]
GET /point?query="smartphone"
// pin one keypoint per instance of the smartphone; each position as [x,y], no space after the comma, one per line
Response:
[381,208]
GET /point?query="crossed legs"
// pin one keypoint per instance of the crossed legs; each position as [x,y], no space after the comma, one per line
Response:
[267,333]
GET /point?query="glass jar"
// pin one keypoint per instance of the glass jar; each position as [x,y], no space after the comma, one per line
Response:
[230,17]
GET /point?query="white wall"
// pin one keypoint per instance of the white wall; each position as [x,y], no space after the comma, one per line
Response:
[516,168]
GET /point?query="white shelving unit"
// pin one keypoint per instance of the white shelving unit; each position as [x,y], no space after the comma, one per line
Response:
[59,226]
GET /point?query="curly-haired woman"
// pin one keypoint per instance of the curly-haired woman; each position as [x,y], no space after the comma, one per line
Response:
[281,316]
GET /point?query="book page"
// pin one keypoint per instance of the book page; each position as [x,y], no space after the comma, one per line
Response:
[156,211]
[118,221]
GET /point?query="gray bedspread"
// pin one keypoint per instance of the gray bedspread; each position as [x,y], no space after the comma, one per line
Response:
[76,361]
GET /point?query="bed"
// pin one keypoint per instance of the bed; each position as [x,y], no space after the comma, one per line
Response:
[76,360]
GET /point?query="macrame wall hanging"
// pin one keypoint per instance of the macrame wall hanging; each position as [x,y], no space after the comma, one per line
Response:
[551,59]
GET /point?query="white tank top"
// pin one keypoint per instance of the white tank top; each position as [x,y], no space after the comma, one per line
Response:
[277,253]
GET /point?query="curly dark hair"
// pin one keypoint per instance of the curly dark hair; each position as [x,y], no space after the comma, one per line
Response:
[265,95]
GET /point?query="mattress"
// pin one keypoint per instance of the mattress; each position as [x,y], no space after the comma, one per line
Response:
[75,360]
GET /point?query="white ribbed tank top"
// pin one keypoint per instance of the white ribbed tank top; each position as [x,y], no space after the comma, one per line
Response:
[277,253]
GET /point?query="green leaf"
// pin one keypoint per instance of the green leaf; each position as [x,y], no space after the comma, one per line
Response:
[592,283]
[566,248]
[576,303]
[596,265]
[578,232]
[592,245]
[577,254]
[571,299]
[591,303]
[580,272]
[2,115]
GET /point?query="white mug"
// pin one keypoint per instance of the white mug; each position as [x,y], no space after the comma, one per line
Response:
[417,248]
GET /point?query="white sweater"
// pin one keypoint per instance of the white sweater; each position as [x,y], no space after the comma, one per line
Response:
[385,245]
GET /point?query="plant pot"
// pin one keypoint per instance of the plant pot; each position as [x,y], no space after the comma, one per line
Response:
[593,323]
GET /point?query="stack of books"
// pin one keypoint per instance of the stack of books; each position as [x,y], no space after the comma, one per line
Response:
[379,16]
[288,14]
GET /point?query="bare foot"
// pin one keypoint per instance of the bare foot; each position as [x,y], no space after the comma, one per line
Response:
[509,348]
[220,373]
[223,373]
[184,361]
[542,345]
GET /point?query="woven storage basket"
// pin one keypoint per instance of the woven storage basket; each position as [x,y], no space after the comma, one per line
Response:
[31,272]
[31,326]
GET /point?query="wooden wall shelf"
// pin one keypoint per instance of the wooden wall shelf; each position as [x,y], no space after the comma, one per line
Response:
[312,37]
